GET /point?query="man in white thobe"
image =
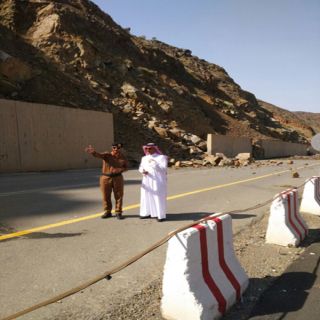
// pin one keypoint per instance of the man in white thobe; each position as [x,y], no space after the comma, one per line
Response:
[153,167]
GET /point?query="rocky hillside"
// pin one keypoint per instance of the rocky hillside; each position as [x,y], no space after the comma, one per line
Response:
[290,121]
[313,119]
[70,53]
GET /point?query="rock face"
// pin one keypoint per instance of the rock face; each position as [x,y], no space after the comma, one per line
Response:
[313,119]
[70,53]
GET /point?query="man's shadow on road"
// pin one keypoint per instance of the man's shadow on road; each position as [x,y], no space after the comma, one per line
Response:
[132,181]
[194,216]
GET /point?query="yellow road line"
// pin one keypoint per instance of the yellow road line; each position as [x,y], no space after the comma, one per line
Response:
[134,206]
[58,224]
[224,185]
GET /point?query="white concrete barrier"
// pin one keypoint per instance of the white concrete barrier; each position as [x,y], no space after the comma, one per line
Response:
[286,227]
[310,202]
[202,276]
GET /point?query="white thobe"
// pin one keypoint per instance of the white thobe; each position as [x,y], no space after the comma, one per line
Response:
[154,186]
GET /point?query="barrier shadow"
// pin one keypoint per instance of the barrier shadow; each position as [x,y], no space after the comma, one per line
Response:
[243,308]
[312,237]
[241,215]
[288,294]
[273,296]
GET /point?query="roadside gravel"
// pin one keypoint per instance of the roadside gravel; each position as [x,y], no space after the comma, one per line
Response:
[262,262]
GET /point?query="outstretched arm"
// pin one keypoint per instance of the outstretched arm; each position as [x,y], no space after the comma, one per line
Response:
[90,149]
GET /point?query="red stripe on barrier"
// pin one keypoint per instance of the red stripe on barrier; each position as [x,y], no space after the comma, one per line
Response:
[234,282]
[290,217]
[205,270]
[296,212]
[285,192]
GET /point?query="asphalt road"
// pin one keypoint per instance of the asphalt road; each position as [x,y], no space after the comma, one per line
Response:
[64,252]
[295,295]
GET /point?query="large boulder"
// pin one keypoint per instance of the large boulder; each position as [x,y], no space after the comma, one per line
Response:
[14,69]
[212,160]
[129,90]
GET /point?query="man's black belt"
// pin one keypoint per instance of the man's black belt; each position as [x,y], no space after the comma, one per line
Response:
[111,175]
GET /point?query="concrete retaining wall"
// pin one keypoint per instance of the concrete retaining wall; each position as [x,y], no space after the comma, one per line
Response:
[277,148]
[37,137]
[231,146]
[228,145]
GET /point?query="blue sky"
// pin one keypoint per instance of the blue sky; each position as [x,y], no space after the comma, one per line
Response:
[269,47]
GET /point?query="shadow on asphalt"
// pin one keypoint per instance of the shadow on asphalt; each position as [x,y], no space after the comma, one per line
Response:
[129,182]
[313,237]
[281,295]
[194,216]
[47,202]
[41,203]
[288,294]
[241,216]
[6,229]
[44,235]
[273,298]
[199,215]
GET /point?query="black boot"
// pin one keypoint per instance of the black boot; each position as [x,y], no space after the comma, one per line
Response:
[119,216]
[106,215]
